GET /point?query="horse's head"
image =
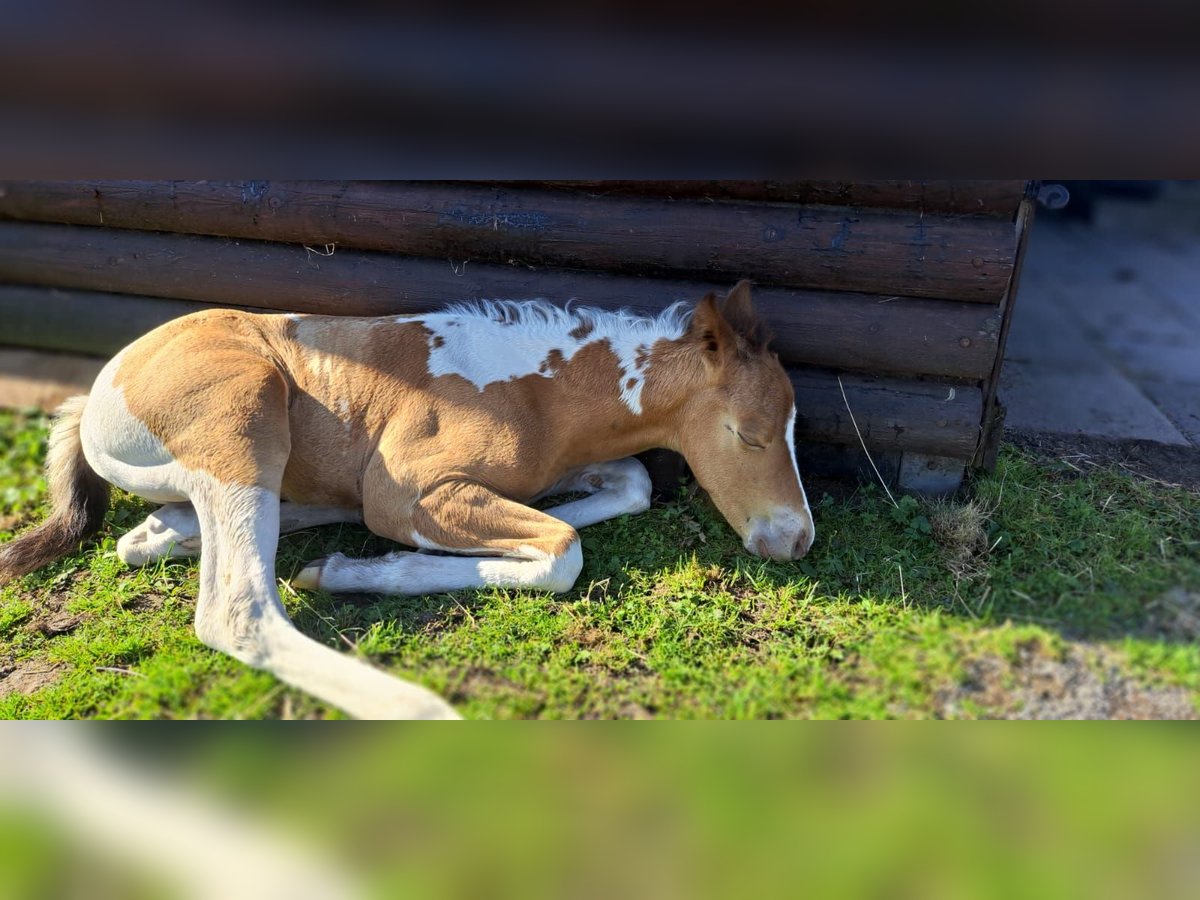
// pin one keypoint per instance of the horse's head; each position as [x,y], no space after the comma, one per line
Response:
[736,430]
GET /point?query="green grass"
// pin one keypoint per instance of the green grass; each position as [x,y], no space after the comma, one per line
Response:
[670,618]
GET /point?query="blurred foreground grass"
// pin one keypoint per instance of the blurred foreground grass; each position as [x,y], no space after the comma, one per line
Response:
[681,811]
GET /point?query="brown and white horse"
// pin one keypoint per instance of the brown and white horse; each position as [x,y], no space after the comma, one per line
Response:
[436,431]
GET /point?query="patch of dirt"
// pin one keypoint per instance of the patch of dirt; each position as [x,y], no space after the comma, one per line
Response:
[483,681]
[27,677]
[1175,615]
[50,617]
[1041,686]
[1169,463]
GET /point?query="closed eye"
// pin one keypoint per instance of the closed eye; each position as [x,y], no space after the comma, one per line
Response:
[745,440]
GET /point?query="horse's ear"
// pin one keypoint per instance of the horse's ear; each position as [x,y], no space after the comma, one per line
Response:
[711,332]
[738,310]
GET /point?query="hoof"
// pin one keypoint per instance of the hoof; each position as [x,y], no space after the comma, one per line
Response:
[309,578]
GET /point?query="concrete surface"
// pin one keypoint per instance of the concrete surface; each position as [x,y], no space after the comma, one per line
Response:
[1105,338]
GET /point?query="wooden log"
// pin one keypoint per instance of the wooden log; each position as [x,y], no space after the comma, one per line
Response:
[814,247]
[849,331]
[81,321]
[891,414]
[956,198]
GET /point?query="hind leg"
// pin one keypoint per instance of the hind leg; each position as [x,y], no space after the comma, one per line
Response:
[240,613]
[617,488]
[173,531]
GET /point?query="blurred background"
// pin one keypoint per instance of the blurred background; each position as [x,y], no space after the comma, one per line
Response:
[462,91]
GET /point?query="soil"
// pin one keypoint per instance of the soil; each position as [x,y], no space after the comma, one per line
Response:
[27,677]
[1082,682]
[1168,463]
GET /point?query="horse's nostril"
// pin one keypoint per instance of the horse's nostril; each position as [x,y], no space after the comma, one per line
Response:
[761,546]
[801,546]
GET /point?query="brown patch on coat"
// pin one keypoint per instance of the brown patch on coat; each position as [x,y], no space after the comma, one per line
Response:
[206,385]
[582,330]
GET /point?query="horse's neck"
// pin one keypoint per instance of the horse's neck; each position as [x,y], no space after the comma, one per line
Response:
[599,423]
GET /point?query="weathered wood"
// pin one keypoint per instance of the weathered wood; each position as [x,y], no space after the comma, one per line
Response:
[843,462]
[850,331]
[814,247]
[958,198]
[993,409]
[81,321]
[930,476]
[891,414]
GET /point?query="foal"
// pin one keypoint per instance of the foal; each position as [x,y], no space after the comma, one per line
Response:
[436,431]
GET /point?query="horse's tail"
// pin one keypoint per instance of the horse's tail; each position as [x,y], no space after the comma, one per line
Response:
[78,498]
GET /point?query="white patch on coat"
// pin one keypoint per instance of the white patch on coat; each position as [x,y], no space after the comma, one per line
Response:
[121,449]
[417,574]
[502,340]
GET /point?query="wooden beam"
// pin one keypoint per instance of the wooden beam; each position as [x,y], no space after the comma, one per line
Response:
[956,198]
[847,331]
[813,247]
[82,321]
[891,413]
[993,410]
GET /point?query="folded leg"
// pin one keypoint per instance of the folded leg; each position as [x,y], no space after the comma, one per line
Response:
[617,488]
[173,531]
[500,543]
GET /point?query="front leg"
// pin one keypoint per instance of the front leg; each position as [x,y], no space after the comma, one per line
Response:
[501,544]
[617,488]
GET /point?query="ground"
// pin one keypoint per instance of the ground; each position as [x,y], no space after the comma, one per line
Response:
[1065,585]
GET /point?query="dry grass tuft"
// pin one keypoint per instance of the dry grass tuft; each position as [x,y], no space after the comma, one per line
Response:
[960,530]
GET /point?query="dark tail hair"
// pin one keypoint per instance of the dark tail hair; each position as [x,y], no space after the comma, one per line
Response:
[78,497]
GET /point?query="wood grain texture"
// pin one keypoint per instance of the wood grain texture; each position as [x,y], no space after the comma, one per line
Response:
[81,321]
[957,198]
[850,331]
[891,413]
[888,252]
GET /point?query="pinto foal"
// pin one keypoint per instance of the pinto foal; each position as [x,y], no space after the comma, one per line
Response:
[436,431]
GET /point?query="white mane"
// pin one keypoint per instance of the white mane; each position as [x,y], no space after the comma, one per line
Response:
[544,316]
[488,341]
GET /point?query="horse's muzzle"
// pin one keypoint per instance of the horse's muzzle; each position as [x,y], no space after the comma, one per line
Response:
[781,538]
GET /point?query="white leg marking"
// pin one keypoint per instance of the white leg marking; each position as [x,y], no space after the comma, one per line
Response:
[420,573]
[120,448]
[240,612]
[617,488]
[173,531]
